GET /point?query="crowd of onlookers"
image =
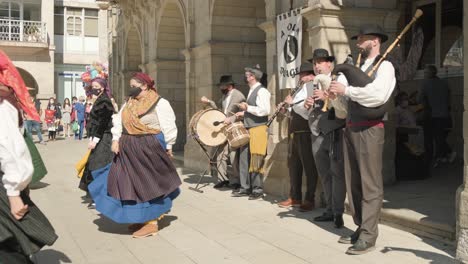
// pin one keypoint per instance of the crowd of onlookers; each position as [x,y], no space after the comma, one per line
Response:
[61,120]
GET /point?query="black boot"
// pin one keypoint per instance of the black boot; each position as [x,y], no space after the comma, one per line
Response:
[360,247]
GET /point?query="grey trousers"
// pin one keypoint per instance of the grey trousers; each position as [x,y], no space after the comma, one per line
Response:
[301,160]
[250,182]
[363,151]
[233,155]
[328,155]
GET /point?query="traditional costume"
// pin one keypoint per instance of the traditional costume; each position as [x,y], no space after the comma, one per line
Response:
[139,185]
[100,124]
[19,239]
[252,155]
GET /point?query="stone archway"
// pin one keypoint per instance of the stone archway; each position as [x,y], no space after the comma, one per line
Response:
[237,40]
[133,58]
[30,81]
[170,64]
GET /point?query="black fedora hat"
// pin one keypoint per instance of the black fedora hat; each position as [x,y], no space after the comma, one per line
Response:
[371,29]
[306,67]
[321,54]
[226,80]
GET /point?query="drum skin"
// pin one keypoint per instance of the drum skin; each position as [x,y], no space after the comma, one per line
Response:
[202,127]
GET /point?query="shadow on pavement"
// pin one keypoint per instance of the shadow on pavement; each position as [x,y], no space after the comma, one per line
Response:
[38,185]
[166,221]
[434,258]
[108,226]
[50,256]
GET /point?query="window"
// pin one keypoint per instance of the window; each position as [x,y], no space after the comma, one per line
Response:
[10,10]
[74,21]
[91,28]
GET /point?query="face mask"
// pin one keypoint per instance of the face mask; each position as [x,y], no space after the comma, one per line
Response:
[95,91]
[134,91]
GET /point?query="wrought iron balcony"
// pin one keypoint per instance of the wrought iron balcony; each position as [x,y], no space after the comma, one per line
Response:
[23,31]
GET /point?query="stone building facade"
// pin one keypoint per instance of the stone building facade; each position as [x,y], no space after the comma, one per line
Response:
[186,45]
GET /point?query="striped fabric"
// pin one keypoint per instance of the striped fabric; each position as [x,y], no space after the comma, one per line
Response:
[142,171]
[28,235]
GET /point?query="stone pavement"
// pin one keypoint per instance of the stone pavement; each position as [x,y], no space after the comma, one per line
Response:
[209,227]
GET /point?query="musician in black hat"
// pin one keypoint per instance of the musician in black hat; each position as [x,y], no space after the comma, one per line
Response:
[229,104]
[252,156]
[327,143]
[364,139]
[300,159]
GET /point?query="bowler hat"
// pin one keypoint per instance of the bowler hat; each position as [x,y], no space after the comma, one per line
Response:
[226,80]
[372,29]
[322,54]
[306,67]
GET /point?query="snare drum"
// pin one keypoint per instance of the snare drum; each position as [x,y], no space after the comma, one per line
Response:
[237,135]
[202,126]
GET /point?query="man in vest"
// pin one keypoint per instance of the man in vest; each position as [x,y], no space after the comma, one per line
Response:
[364,140]
[327,143]
[229,104]
[252,156]
[300,158]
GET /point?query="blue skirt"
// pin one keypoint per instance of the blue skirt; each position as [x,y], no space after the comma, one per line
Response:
[126,212]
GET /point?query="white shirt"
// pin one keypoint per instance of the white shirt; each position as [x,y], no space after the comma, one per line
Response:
[226,102]
[166,119]
[377,92]
[15,159]
[263,101]
[299,108]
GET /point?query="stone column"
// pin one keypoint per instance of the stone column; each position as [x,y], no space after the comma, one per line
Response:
[461,206]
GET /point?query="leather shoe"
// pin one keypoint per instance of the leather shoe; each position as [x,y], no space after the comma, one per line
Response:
[240,194]
[360,247]
[221,184]
[324,218]
[255,196]
[290,203]
[146,230]
[307,206]
[349,239]
[339,223]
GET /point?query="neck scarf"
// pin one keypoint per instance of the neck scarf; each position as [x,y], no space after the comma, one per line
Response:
[135,109]
[9,76]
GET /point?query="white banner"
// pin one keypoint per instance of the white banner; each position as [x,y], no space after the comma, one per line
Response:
[289,40]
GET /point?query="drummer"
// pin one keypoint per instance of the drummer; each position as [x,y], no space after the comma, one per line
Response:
[252,156]
[229,102]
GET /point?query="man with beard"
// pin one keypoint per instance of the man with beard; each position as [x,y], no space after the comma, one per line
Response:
[364,140]
[229,103]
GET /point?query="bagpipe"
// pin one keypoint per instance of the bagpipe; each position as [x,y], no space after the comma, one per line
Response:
[357,78]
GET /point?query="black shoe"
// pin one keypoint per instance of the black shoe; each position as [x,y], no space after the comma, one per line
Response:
[324,218]
[349,239]
[221,184]
[234,186]
[92,205]
[235,191]
[240,194]
[360,247]
[255,196]
[339,223]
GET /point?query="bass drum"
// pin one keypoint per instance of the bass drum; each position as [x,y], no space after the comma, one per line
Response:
[202,126]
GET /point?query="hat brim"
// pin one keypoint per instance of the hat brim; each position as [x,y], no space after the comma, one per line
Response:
[328,58]
[226,83]
[381,36]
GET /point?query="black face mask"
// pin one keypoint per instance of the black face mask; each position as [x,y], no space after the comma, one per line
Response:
[224,91]
[134,91]
[95,92]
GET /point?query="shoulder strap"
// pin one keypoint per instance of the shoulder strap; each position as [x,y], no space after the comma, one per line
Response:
[151,108]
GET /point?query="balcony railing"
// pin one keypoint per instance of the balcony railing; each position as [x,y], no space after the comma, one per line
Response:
[23,30]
